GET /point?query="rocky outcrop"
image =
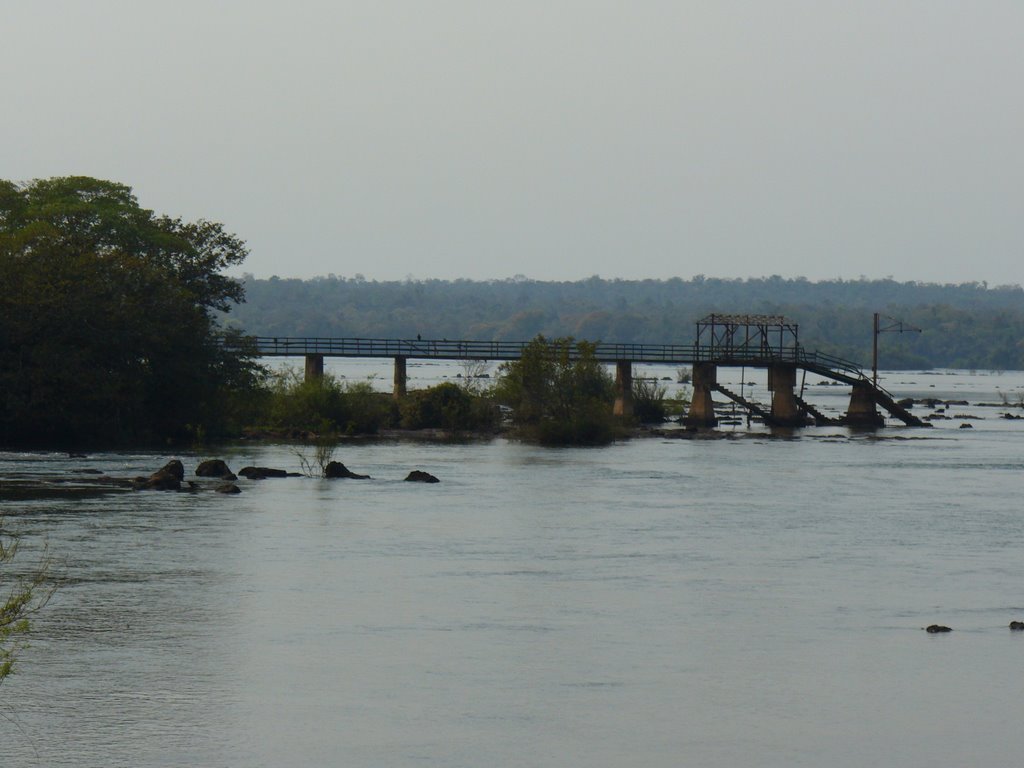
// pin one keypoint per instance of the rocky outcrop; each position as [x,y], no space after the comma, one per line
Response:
[935,629]
[418,476]
[336,470]
[1017,626]
[228,488]
[215,468]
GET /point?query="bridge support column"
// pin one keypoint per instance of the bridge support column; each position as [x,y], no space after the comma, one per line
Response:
[623,389]
[862,411]
[781,383]
[314,367]
[400,377]
[702,407]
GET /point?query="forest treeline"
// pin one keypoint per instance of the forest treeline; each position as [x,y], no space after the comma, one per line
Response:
[968,325]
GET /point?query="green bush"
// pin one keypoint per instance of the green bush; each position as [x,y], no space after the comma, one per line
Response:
[649,401]
[559,393]
[447,406]
[326,405]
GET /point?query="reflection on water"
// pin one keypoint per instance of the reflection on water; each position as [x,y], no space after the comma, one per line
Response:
[659,602]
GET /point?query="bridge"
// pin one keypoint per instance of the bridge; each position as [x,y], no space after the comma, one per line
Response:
[750,341]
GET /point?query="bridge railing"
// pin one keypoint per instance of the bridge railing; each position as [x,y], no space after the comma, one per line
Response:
[279,346]
[357,347]
[645,353]
[831,362]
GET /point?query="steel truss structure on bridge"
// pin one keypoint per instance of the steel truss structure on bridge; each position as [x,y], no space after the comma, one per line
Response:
[748,336]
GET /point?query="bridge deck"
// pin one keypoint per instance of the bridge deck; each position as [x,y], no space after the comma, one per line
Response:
[443,349]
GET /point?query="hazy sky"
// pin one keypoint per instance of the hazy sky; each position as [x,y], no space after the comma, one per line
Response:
[559,140]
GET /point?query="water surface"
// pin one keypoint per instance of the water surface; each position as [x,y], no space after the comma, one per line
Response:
[753,599]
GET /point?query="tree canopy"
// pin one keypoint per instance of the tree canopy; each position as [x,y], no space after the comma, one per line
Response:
[108,316]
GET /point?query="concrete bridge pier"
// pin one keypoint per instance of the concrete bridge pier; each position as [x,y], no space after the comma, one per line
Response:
[702,407]
[623,389]
[400,377]
[862,411]
[314,367]
[781,383]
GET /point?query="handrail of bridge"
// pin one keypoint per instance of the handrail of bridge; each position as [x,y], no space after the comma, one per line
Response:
[457,350]
[831,362]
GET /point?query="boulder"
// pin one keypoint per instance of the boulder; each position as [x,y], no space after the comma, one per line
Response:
[336,470]
[161,480]
[936,628]
[167,478]
[1017,626]
[174,468]
[417,476]
[215,468]
[228,488]
[261,473]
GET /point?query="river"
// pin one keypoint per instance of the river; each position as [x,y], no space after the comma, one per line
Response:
[751,599]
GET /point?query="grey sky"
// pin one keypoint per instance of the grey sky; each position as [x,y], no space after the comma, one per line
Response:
[553,139]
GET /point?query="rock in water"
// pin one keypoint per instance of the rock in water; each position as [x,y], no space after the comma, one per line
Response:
[259,473]
[336,470]
[1017,626]
[167,478]
[174,468]
[936,628]
[215,468]
[228,488]
[417,476]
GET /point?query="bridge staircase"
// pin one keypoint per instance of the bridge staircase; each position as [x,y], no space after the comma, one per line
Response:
[837,369]
[752,407]
[896,410]
[820,419]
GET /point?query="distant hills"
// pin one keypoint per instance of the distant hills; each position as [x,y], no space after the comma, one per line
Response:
[968,325]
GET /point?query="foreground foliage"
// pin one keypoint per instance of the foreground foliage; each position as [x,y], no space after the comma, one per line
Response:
[559,393]
[21,595]
[107,317]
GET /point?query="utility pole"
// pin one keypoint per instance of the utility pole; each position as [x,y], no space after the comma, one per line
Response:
[892,325]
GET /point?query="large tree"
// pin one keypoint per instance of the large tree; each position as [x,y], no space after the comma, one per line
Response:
[107,328]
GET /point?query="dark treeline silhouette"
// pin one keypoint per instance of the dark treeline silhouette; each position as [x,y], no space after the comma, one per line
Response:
[967,325]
